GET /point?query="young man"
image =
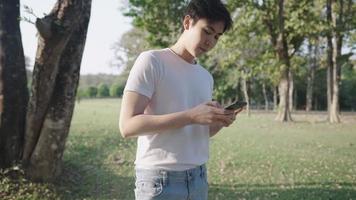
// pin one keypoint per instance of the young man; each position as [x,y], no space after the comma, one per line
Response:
[168,105]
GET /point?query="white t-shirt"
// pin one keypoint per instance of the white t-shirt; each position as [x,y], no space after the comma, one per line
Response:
[172,85]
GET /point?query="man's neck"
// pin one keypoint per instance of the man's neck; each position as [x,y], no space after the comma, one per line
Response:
[183,53]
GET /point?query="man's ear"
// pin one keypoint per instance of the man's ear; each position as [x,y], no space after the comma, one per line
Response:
[187,21]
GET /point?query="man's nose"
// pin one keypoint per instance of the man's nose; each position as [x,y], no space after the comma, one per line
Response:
[210,42]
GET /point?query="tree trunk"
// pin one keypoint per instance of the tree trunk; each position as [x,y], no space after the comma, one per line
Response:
[335,109]
[334,53]
[275,98]
[311,74]
[283,109]
[316,105]
[292,103]
[265,95]
[295,100]
[281,48]
[55,80]
[13,84]
[237,89]
[329,74]
[247,98]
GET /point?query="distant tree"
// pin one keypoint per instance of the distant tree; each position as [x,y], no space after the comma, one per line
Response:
[313,57]
[82,92]
[126,50]
[348,87]
[103,90]
[96,79]
[161,20]
[91,91]
[117,90]
[341,20]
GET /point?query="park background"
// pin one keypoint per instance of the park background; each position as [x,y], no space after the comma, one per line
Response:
[311,45]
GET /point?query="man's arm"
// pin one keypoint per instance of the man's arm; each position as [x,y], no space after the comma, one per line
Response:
[133,122]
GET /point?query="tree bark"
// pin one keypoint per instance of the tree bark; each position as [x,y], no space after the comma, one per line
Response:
[292,103]
[246,96]
[329,74]
[265,95]
[334,53]
[281,47]
[275,97]
[311,74]
[337,45]
[283,107]
[13,84]
[237,89]
[55,80]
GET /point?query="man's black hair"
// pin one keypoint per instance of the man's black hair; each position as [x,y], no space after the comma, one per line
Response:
[212,10]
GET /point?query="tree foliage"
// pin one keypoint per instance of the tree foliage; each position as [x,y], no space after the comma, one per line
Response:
[103,90]
[161,19]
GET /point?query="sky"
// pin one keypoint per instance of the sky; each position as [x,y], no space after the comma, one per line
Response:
[106,26]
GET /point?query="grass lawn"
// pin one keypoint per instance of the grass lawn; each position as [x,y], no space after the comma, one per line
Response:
[255,158]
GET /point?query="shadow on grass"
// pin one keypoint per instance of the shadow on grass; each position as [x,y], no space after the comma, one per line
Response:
[312,191]
[87,174]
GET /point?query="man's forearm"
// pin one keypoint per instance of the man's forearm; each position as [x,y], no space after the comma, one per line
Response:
[141,124]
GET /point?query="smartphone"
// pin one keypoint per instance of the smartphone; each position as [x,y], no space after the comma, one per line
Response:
[236,105]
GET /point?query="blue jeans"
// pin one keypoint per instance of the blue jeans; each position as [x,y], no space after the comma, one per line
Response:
[171,185]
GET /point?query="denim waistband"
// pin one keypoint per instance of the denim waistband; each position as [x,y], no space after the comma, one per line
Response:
[172,175]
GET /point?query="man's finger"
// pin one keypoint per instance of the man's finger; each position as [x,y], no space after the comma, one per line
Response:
[238,111]
[213,104]
[210,103]
[222,118]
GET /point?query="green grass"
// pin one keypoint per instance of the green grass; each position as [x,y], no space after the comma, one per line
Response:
[258,158]
[255,158]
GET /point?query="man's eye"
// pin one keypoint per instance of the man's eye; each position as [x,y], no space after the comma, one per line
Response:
[207,32]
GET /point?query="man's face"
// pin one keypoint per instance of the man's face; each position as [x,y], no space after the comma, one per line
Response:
[202,35]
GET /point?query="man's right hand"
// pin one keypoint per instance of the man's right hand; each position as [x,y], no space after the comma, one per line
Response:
[211,113]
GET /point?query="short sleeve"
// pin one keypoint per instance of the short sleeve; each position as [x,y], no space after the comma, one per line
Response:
[144,75]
